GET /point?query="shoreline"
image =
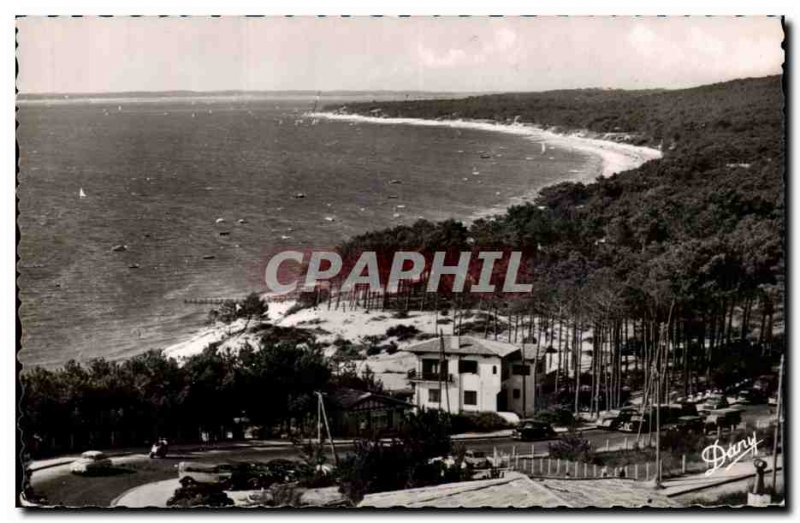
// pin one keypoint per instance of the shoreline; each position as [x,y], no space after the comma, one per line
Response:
[614,157]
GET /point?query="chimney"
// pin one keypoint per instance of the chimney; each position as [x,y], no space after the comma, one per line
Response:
[455,342]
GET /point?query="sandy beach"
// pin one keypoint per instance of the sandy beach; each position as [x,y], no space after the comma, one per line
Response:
[615,156]
[355,324]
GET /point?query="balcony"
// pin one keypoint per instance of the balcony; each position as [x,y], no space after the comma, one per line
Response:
[414,376]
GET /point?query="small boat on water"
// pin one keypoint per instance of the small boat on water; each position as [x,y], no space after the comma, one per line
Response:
[544,148]
[395,182]
[486,156]
[285,237]
[219,220]
[133,266]
[299,196]
[330,219]
[119,248]
[209,257]
[81,194]
[224,233]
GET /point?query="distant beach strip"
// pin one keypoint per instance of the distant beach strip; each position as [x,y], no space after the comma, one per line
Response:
[615,156]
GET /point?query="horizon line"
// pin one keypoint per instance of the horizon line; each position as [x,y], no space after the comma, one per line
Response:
[366,91]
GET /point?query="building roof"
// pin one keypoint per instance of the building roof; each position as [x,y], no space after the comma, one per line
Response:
[346,399]
[516,490]
[463,345]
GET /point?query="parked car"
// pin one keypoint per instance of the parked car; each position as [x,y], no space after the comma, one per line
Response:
[713,402]
[612,419]
[529,430]
[750,397]
[91,462]
[477,459]
[722,419]
[190,473]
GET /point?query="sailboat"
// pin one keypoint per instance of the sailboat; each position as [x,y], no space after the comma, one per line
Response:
[81,194]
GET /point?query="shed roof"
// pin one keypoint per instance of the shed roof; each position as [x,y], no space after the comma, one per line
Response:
[519,491]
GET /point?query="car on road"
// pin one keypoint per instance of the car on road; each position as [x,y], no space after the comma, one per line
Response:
[191,473]
[477,459]
[722,419]
[91,462]
[530,430]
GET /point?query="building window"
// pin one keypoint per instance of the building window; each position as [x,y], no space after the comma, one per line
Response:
[521,370]
[431,369]
[470,397]
[516,394]
[494,369]
[434,396]
[467,367]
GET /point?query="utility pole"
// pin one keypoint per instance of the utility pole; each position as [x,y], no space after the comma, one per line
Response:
[321,410]
[777,429]
[442,371]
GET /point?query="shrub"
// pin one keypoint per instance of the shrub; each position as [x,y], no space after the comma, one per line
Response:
[199,495]
[572,448]
[478,422]
[559,416]
[402,332]
[373,350]
[400,315]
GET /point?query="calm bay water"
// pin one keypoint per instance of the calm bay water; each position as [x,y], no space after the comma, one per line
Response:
[158,175]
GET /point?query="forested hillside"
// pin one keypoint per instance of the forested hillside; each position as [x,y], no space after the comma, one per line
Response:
[689,247]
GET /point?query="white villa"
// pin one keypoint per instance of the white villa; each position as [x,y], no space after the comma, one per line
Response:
[479,375]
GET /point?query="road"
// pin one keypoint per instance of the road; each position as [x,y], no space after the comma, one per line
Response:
[60,487]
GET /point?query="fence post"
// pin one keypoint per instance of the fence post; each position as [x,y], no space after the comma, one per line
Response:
[533,450]
[558,467]
[683,464]
[548,466]
[594,470]
[576,469]
[647,471]
[636,471]
[606,445]
[626,443]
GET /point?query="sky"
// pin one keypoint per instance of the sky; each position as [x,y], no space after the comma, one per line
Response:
[470,54]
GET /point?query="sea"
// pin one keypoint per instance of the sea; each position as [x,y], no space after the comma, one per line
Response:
[131,210]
